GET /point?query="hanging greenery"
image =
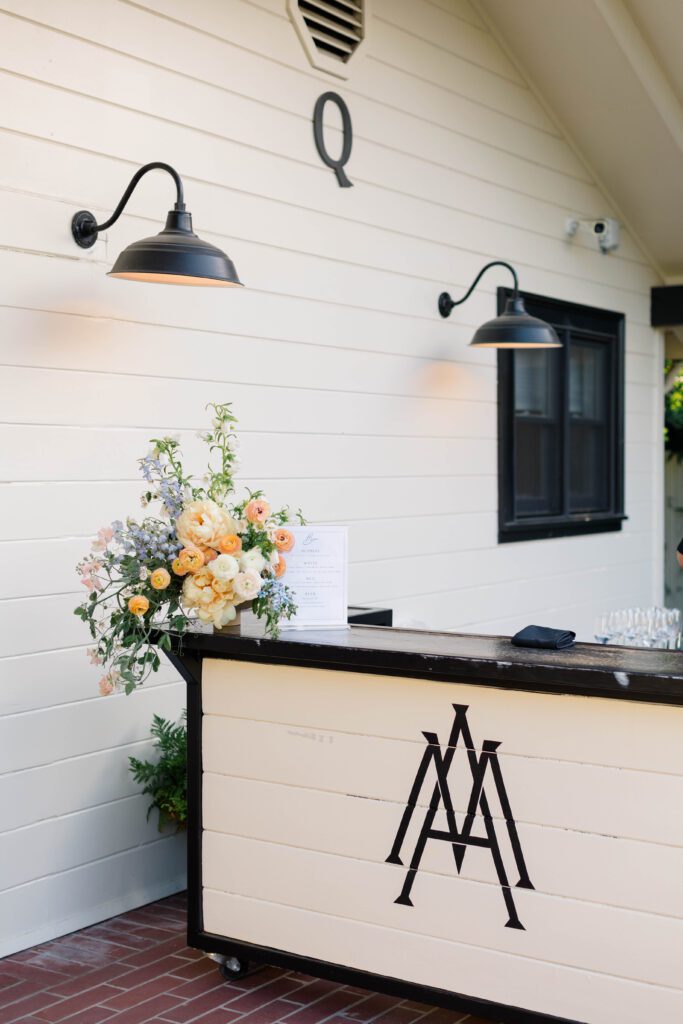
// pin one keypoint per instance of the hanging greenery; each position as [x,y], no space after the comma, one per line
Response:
[673,415]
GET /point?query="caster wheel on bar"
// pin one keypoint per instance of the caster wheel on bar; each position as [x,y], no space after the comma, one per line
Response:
[233,968]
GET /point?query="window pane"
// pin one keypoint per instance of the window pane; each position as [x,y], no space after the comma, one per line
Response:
[538,469]
[587,380]
[589,433]
[534,392]
[537,441]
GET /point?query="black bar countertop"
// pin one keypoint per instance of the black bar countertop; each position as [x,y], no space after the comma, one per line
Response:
[589,670]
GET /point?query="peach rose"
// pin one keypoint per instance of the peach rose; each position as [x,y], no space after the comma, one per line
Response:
[160,579]
[231,544]
[179,568]
[280,568]
[284,540]
[203,523]
[224,588]
[257,511]
[138,605]
[220,614]
[204,594]
[202,581]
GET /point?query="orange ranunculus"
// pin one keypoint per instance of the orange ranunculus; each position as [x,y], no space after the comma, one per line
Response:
[138,605]
[284,540]
[257,511]
[160,579]
[230,544]
[179,568]
[192,559]
[280,568]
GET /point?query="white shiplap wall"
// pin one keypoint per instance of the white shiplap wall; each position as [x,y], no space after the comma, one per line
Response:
[356,401]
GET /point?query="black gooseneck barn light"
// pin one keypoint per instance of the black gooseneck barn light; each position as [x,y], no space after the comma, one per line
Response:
[514,328]
[175,256]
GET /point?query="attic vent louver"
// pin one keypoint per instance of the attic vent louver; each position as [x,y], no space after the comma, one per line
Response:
[330,30]
[336,26]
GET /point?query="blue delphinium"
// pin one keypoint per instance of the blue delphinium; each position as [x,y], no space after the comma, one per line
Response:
[274,602]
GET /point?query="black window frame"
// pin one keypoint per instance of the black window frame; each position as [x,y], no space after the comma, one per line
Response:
[568,318]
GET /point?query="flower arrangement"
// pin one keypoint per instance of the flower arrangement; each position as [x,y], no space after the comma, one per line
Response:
[201,557]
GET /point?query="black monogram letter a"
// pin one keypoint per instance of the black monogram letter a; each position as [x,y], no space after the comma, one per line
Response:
[441,797]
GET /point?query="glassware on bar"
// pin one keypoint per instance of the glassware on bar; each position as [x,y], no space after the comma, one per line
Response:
[653,627]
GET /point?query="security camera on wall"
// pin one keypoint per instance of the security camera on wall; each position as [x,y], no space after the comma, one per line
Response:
[605,230]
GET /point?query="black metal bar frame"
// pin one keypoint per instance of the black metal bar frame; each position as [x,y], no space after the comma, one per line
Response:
[190,667]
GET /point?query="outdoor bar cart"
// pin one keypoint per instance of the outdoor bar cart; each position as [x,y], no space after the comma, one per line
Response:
[441,817]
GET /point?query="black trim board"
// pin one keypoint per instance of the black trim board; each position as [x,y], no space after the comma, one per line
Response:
[210,645]
[666,305]
[374,982]
[620,673]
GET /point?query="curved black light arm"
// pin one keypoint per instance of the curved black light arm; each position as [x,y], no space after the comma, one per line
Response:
[446,303]
[84,226]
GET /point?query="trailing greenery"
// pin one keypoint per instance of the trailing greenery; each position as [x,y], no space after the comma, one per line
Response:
[165,780]
[673,417]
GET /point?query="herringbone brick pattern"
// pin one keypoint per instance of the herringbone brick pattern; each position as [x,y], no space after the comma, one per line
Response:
[137,969]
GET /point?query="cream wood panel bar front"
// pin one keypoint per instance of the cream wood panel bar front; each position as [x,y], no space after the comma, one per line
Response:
[443,817]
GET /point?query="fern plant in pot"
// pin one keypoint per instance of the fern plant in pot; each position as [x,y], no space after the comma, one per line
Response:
[165,778]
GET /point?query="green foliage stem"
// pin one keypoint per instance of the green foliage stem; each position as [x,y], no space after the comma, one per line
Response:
[165,779]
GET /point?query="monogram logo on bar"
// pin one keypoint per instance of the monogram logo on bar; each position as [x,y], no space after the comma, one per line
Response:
[477,804]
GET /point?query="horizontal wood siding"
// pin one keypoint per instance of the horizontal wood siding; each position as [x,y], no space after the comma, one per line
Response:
[357,402]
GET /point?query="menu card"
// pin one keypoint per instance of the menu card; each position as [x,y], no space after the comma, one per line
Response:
[317,573]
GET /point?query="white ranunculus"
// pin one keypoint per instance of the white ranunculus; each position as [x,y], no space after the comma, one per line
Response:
[252,561]
[224,568]
[274,557]
[247,585]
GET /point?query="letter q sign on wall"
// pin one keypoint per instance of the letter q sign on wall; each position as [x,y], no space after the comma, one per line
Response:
[337,164]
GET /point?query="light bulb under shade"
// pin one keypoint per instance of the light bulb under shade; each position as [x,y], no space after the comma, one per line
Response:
[514,328]
[176,256]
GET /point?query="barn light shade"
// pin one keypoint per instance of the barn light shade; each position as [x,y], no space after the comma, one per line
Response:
[514,328]
[175,256]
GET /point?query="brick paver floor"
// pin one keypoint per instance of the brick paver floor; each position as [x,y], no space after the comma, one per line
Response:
[137,968]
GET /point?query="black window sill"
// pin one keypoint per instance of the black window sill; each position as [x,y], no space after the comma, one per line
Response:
[545,529]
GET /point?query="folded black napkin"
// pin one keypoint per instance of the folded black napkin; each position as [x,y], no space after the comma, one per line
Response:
[542,636]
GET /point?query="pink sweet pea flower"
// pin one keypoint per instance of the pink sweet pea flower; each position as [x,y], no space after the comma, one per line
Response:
[103,537]
[106,686]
